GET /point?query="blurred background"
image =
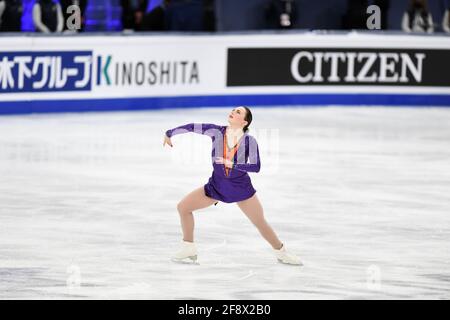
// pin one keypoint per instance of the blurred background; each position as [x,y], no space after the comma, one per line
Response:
[228,15]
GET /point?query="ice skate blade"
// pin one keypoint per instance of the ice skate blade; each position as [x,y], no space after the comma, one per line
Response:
[290,264]
[188,260]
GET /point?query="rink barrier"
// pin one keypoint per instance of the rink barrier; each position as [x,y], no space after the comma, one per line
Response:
[144,72]
[300,100]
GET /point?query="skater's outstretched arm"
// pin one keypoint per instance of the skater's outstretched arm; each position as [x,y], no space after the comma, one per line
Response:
[208,129]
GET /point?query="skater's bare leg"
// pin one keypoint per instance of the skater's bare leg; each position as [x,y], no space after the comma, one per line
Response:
[193,201]
[254,211]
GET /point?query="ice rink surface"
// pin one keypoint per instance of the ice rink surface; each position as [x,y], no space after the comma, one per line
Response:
[88,206]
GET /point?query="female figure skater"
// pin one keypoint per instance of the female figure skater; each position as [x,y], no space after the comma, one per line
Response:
[235,153]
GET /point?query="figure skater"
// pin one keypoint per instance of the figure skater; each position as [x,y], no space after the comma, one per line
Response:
[234,154]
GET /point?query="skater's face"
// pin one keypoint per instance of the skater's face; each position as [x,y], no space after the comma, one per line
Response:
[237,117]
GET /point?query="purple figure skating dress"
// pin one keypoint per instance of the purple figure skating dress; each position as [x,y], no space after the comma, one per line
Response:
[227,185]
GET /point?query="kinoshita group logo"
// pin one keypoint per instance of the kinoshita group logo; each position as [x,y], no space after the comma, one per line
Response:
[47,71]
[139,73]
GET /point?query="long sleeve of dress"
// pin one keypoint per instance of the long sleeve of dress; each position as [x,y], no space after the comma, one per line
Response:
[254,162]
[208,129]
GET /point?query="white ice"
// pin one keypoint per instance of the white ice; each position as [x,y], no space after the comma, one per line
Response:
[88,206]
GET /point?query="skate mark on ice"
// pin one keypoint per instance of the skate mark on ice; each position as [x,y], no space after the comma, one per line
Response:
[223,244]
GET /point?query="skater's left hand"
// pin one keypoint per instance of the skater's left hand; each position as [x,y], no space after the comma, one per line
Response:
[221,160]
[167,141]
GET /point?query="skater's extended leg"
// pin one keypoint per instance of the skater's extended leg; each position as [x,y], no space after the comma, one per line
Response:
[193,201]
[254,211]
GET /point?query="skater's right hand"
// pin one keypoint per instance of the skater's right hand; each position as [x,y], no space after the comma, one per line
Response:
[167,140]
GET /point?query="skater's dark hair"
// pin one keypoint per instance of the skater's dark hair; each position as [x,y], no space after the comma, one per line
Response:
[248,118]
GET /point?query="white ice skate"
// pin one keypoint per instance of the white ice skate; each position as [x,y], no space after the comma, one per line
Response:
[187,253]
[287,257]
